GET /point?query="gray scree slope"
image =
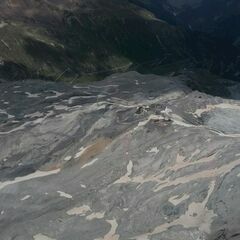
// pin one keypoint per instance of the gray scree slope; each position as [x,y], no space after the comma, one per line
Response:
[132,157]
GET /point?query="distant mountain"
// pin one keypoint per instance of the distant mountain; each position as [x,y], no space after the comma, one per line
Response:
[221,18]
[213,16]
[76,40]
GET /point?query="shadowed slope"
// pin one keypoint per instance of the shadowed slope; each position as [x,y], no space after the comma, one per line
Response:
[85,40]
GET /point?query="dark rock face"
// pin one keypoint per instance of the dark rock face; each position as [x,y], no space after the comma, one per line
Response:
[132,157]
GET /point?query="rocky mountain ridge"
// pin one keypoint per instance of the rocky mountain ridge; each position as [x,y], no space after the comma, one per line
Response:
[131,157]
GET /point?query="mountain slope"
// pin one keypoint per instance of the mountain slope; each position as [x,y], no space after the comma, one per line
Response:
[221,18]
[82,40]
[131,157]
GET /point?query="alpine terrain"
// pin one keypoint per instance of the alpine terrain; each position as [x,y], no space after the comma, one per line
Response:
[119,120]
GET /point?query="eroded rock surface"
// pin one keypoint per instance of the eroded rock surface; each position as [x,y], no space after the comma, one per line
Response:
[132,157]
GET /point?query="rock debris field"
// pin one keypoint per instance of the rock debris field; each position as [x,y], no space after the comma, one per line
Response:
[139,157]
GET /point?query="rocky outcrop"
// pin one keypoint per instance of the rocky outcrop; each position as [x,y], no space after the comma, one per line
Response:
[131,157]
